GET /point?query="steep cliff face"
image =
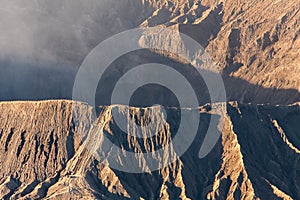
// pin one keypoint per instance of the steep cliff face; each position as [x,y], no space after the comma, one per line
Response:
[44,156]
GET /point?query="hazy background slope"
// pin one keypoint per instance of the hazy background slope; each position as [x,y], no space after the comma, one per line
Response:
[254,43]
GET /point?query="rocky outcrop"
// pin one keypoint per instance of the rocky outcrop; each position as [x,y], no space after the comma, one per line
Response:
[254,44]
[44,154]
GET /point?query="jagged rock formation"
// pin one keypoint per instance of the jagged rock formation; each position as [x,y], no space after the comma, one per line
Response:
[254,41]
[43,155]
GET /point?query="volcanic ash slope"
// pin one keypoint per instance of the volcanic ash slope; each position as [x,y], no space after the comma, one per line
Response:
[43,154]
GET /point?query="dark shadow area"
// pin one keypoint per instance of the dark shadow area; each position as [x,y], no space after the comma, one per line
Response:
[149,94]
[20,81]
[267,157]
[198,174]
[234,46]
[25,81]
[121,139]
[245,92]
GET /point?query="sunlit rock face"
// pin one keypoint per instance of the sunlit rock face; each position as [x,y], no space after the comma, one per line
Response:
[254,45]
[44,154]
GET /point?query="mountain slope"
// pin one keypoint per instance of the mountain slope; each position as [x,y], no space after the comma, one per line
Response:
[43,156]
[255,44]
[254,41]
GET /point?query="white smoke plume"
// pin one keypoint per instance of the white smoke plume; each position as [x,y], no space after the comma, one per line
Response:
[59,30]
[43,42]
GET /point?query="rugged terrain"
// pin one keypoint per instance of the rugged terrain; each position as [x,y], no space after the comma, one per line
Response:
[43,144]
[43,155]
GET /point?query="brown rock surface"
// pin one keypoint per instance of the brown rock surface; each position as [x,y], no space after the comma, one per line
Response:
[254,43]
[43,156]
